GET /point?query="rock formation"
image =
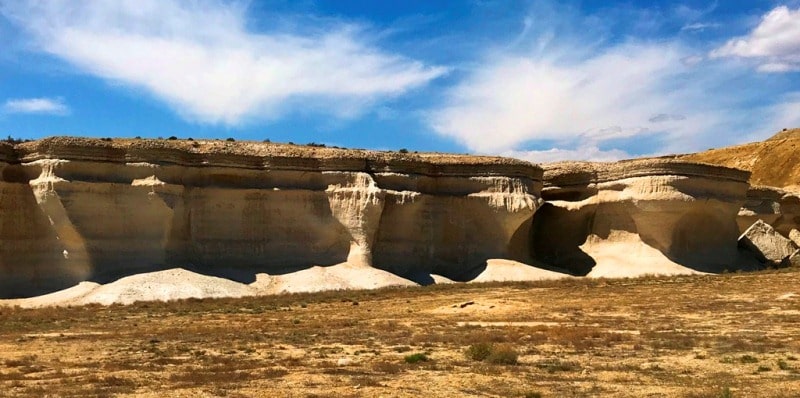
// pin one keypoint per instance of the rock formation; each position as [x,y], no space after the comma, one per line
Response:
[78,210]
[794,235]
[770,246]
[110,221]
[775,206]
[638,217]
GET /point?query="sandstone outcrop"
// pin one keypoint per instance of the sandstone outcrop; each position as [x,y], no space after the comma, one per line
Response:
[78,210]
[775,206]
[794,235]
[770,246]
[639,217]
[121,220]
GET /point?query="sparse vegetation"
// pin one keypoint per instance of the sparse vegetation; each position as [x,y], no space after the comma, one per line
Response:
[748,359]
[495,353]
[479,351]
[13,141]
[417,357]
[230,139]
[557,365]
[582,337]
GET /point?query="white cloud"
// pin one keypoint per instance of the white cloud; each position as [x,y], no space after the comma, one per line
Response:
[785,114]
[44,106]
[774,43]
[589,152]
[699,26]
[579,101]
[200,57]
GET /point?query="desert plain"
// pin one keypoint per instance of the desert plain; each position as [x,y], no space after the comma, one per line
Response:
[728,335]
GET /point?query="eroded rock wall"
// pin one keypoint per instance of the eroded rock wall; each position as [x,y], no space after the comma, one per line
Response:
[639,217]
[279,217]
[775,206]
[81,209]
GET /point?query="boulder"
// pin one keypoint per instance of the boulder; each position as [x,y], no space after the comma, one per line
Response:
[769,245]
[794,235]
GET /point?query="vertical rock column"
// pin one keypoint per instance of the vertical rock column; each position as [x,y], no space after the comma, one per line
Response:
[77,264]
[358,206]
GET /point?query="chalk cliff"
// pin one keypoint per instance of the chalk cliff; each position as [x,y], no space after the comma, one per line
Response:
[74,210]
[102,221]
[639,217]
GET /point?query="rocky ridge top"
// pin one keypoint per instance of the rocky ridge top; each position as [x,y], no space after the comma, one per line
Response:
[258,155]
[582,173]
[774,162]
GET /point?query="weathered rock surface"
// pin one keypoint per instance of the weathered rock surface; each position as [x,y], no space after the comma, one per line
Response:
[769,245]
[777,207]
[127,220]
[794,235]
[652,216]
[74,210]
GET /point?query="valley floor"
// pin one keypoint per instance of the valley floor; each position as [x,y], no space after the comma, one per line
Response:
[694,336]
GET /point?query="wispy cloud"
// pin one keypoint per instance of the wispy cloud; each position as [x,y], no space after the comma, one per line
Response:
[582,152]
[774,44]
[42,106]
[202,59]
[621,92]
[570,99]
[699,26]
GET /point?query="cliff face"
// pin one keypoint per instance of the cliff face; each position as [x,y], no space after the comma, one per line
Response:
[121,215]
[639,217]
[80,209]
[775,206]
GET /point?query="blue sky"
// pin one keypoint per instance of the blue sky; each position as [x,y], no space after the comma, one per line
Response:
[539,80]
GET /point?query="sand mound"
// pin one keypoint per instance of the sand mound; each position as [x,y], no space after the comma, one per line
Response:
[614,261]
[498,270]
[166,285]
[61,297]
[342,276]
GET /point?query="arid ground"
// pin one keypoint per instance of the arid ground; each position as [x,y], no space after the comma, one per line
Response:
[696,336]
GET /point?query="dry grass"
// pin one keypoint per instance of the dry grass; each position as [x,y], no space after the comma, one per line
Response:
[697,336]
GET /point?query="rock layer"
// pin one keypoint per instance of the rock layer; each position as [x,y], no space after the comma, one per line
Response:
[775,206]
[117,217]
[78,210]
[639,217]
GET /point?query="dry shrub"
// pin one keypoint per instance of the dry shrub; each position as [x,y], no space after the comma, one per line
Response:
[503,354]
[557,365]
[496,353]
[478,351]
